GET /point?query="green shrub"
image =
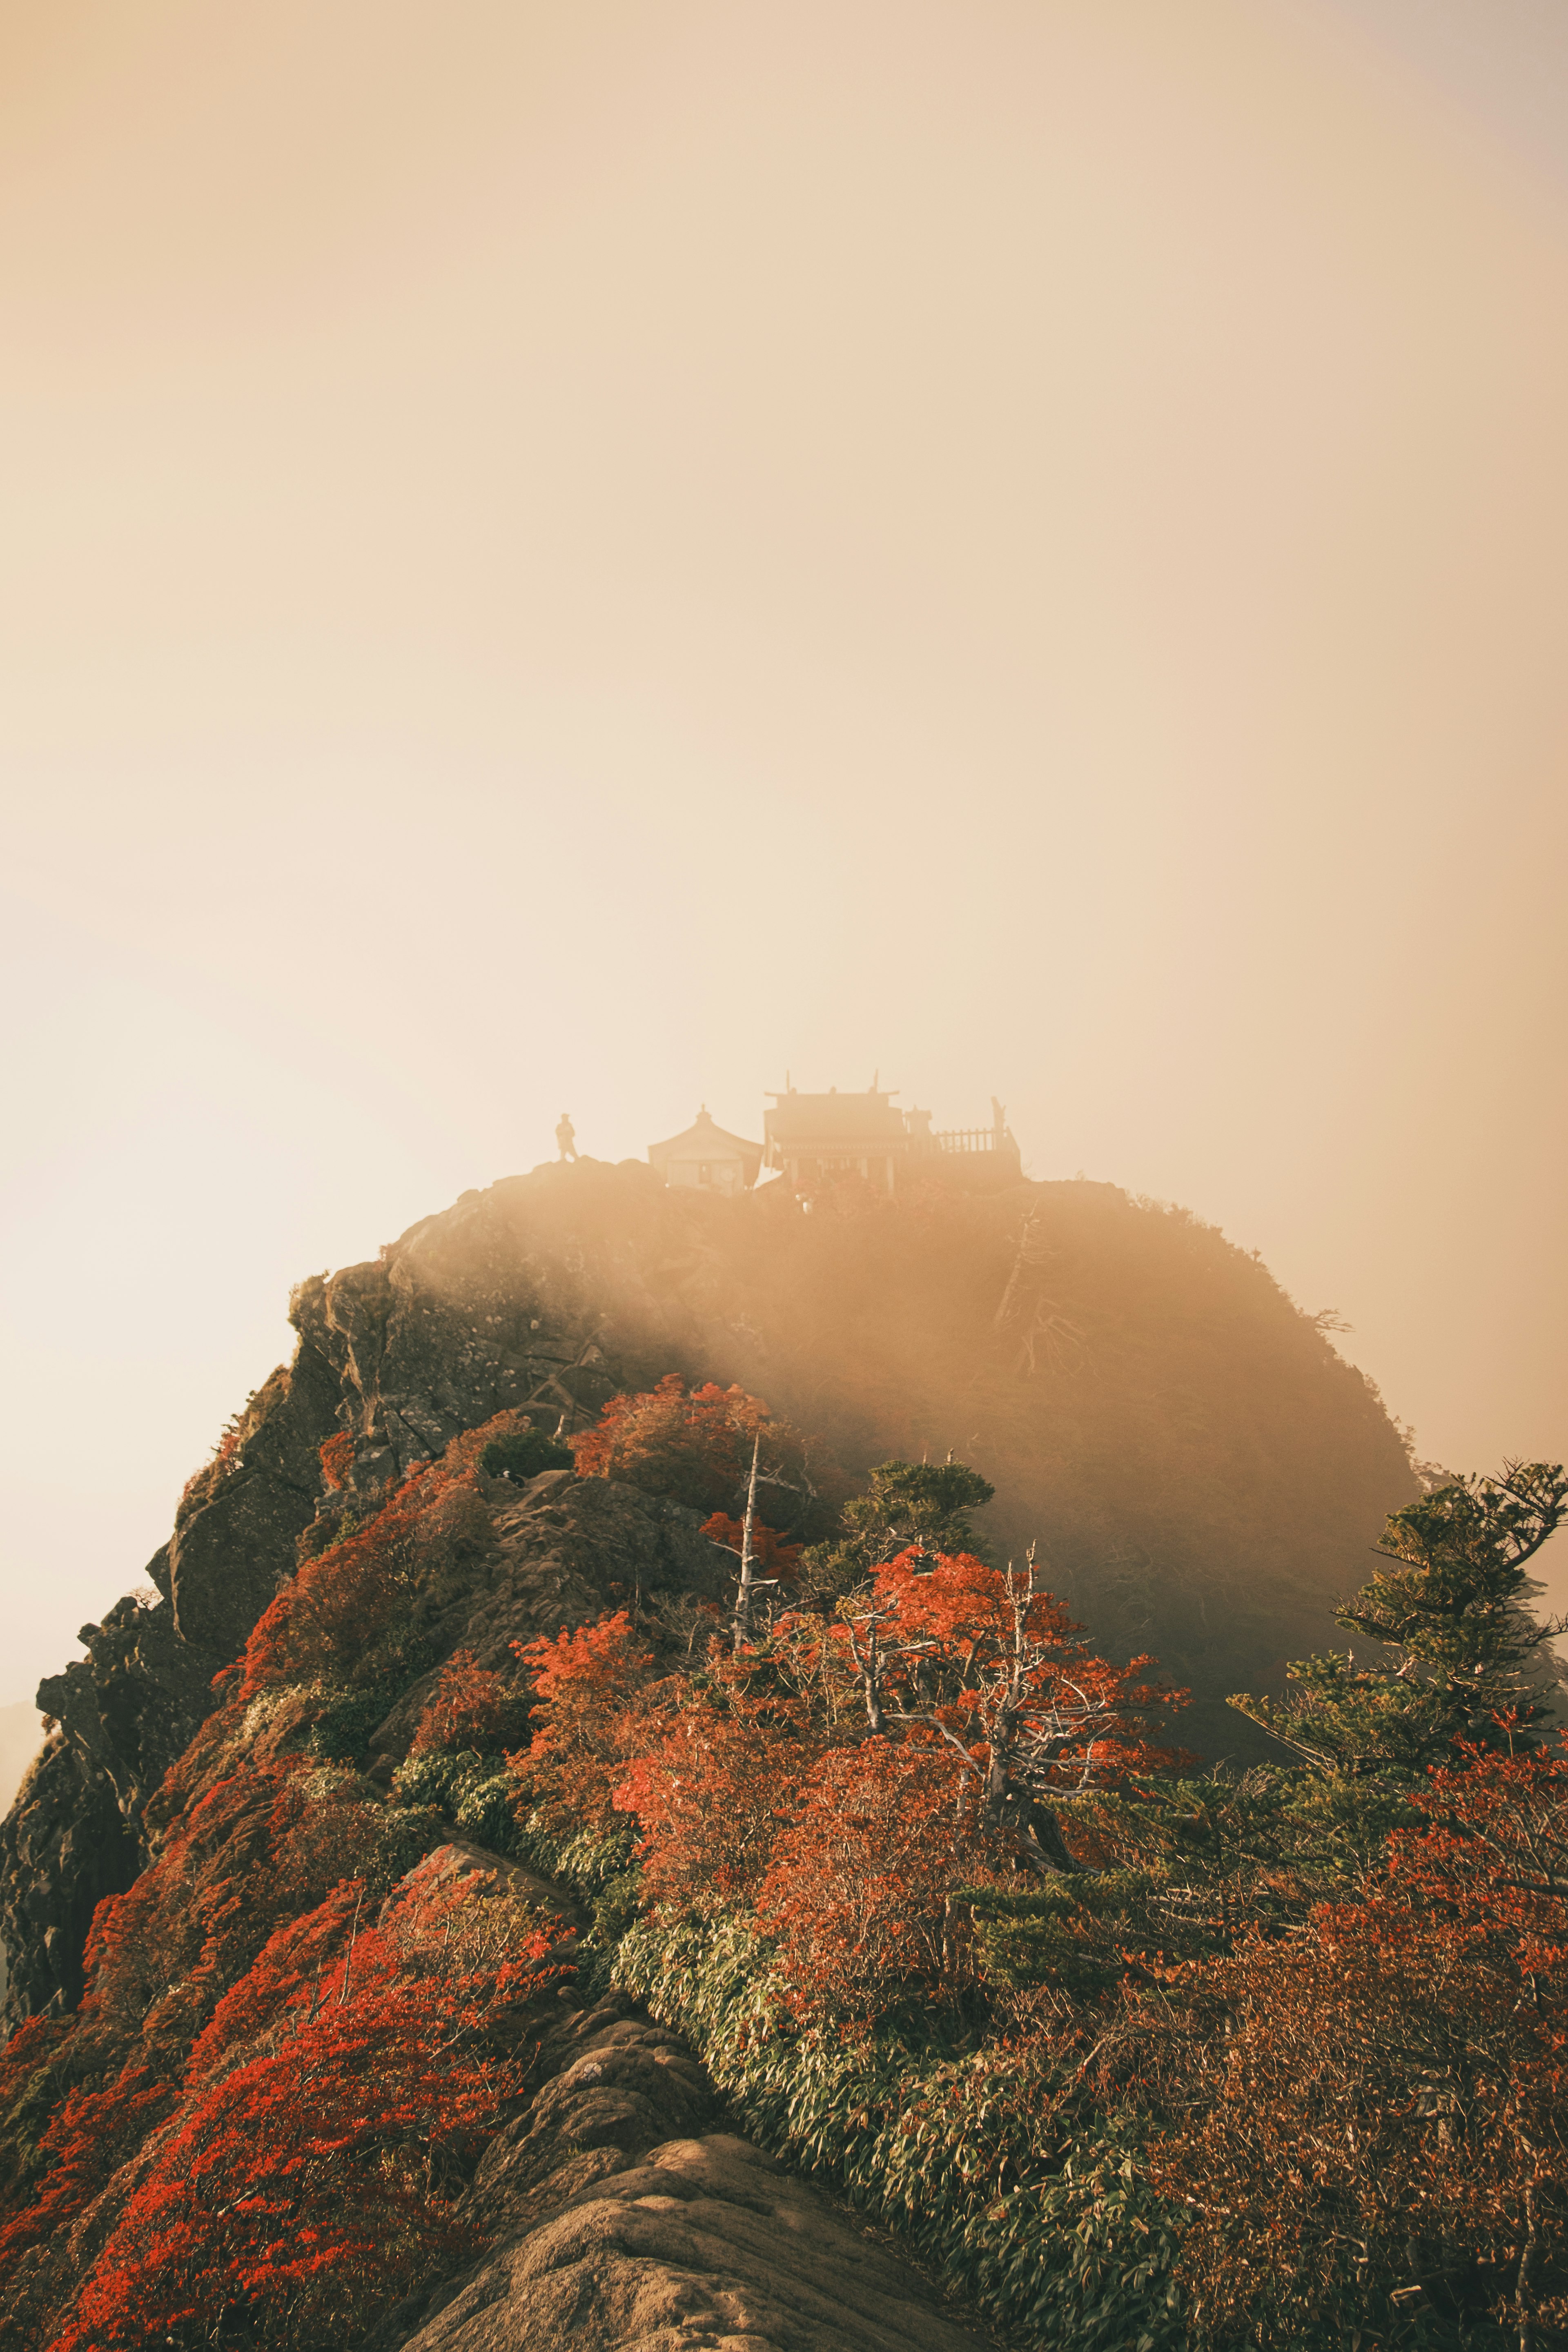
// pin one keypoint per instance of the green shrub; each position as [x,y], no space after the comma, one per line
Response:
[1068,1934]
[523,1456]
[1052,2235]
[341,1732]
[475,1792]
[405,1835]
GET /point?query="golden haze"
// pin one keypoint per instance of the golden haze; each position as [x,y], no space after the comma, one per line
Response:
[578,556]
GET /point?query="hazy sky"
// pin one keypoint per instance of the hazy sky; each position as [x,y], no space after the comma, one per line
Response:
[579,555]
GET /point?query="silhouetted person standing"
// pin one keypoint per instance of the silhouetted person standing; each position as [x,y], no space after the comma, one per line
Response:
[566,1137]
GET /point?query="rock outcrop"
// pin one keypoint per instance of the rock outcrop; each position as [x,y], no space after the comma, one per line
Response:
[625,2218]
[63,1846]
[558,1554]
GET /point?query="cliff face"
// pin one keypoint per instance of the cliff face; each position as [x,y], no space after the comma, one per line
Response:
[1199,1467]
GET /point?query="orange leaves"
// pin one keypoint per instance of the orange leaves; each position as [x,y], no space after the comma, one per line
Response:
[1395,2077]
[775,1554]
[472,1707]
[986,1657]
[594,1661]
[295,2196]
[857,1882]
[693,1445]
[337,1459]
[755,1791]
[594,1692]
[1496,1849]
[710,1797]
[962,1602]
[299,2185]
[337,1604]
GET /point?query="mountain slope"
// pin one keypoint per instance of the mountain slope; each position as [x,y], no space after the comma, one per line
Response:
[1200,1469]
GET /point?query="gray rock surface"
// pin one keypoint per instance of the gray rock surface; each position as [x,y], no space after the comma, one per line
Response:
[63,1846]
[549,1292]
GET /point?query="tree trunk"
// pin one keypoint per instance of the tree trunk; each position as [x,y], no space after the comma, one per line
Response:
[743,1595]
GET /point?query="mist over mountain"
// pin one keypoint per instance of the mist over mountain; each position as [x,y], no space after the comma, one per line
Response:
[1200,1470]
[302,1734]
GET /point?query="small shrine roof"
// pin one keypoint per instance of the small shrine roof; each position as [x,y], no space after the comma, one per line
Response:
[706,1136]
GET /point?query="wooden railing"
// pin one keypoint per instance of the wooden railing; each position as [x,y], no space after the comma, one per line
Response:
[965,1138]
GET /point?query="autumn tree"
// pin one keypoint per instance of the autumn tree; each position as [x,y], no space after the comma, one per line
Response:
[859,1874]
[986,1661]
[596,1701]
[472,1706]
[697,1447]
[1382,2145]
[711,1793]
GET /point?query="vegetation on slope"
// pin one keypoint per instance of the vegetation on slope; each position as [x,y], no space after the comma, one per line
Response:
[1139,2053]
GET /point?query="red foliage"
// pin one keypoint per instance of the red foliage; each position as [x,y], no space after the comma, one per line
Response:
[251,1851]
[598,1658]
[713,1786]
[291,1962]
[776,1555]
[711,1796]
[337,1603]
[595,1695]
[1406,2056]
[337,1459]
[983,1703]
[87,2139]
[986,1658]
[472,1707]
[693,1445]
[295,2196]
[856,1885]
[340,1602]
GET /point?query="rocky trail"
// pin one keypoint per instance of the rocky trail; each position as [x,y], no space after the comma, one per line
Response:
[625,2218]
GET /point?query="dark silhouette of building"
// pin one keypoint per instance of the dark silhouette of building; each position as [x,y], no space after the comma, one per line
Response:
[817,1140]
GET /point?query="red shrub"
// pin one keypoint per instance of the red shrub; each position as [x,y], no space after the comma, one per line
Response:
[1392,2104]
[337,1459]
[694,1446]
[89,2137]
[337,1604]
[986,1658]
[856,1885]
[775,1556]
[472,1707]
[295,2199]
[292,1961]
[711,1796]
[595,1693]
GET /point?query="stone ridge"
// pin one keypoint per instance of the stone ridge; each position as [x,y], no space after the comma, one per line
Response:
[625,2218]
